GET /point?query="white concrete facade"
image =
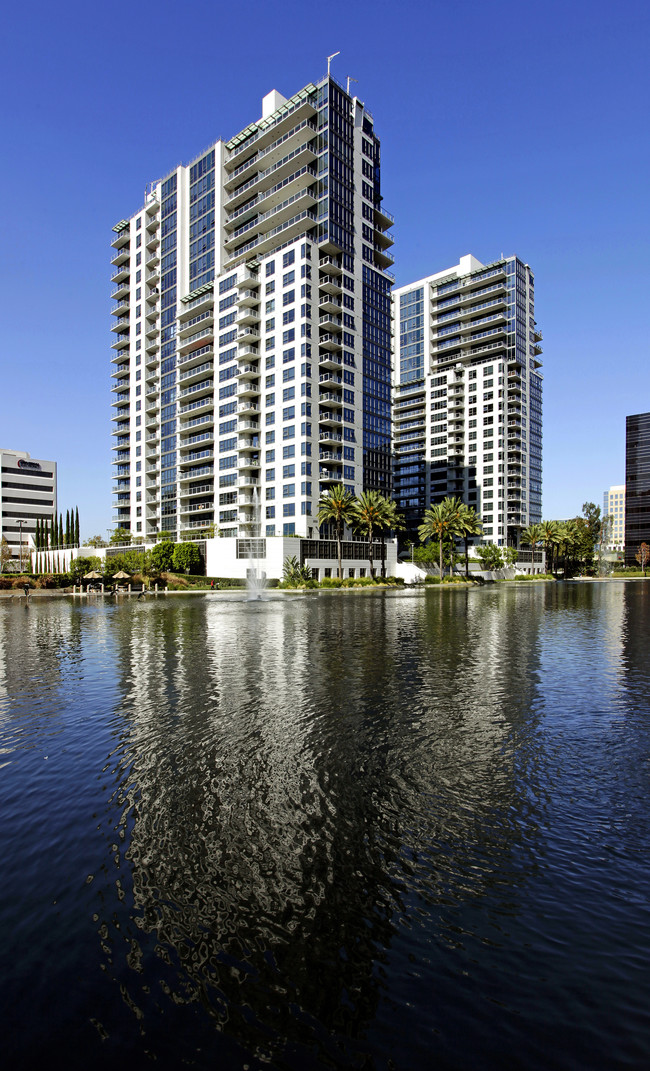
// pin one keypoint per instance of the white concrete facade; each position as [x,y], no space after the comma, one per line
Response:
[467,395]
[234,558]
[28,493]
[240,361]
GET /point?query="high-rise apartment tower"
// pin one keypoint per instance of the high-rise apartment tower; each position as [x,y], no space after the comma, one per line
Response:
[614,508]
[467,400]
[251,352]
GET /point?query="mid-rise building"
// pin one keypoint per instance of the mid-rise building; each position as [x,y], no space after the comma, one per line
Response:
[467,397]
[27,495]
[251,352]
[614,508]
[637,484]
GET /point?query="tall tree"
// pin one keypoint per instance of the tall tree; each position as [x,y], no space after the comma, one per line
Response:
[60,539]
[442,522]
[67,528]
[76,527]
[550,536]
[643,556]
[369,512]
[336,507]
[470,525]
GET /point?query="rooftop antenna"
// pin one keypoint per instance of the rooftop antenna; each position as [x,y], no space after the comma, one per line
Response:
[350,79]
[329,60]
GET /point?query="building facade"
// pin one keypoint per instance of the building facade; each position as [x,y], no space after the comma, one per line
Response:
[614,507]
[251,351]
[637,484]
[467,395]
[27,495]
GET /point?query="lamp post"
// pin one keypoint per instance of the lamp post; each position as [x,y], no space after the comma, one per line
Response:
[21,523]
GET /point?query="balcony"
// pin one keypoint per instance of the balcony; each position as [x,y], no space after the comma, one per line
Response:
[248,425]
[329,436]
[329,303]
[119,239]
[190,375]
[329,342]
[330,360]
[248,371]
[333,476]
[120,342]
[248,481]
[330,266]
[121,290]
[330,322]
[245,445]
[121,273]
[120,308]
[247,389]
[246,314]
[331,400]
[247,352]
[247,278]
[248,335]
[247,298]
[330,457]
[197,389]
[330,379]
[383,219]
[188,327]
[329,417]
[248,406]
[120,257]
[153,241]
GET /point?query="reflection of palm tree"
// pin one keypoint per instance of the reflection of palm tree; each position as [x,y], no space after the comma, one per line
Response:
[441,521]
[470,525]
[336,507]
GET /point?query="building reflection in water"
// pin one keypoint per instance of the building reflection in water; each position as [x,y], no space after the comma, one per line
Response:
[294,776]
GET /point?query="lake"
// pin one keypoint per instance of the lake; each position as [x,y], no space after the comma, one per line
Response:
[365,829]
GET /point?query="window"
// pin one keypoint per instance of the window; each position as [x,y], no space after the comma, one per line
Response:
[270,514]
[270,492]
[289,490]
[289,297]
[289,413]
[270,287]
[288,258]
[270,475]
[288,471]
[288,509]
[270,267]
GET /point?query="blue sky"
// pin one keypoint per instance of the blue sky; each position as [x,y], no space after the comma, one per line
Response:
[505,128]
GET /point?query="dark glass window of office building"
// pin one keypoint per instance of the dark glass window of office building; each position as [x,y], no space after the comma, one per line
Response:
[637,484]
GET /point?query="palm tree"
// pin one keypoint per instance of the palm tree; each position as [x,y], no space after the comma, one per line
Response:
[369,516]
[532,535]
[550,537]
[441,521]
[470,525]
[337,507]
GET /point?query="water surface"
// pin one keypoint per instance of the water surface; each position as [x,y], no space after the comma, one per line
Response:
[364,829]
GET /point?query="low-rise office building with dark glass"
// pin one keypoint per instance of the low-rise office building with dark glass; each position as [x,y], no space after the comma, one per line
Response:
[637,484]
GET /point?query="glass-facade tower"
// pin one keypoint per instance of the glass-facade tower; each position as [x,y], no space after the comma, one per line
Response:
[467,397]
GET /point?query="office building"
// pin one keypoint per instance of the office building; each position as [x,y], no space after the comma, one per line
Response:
[467,395]
[27,495]
[251,346]
[614,508]
[637,484]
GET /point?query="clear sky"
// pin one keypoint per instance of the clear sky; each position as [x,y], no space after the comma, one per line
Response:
[505,128]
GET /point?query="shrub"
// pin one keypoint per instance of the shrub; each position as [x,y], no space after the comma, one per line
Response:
[332,582]
[432,580]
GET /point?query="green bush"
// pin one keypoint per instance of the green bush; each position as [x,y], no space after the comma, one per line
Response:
[431,579]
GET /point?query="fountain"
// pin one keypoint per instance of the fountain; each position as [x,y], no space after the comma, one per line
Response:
[255,577]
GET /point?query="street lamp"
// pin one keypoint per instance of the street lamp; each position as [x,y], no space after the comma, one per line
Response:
[21,522]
